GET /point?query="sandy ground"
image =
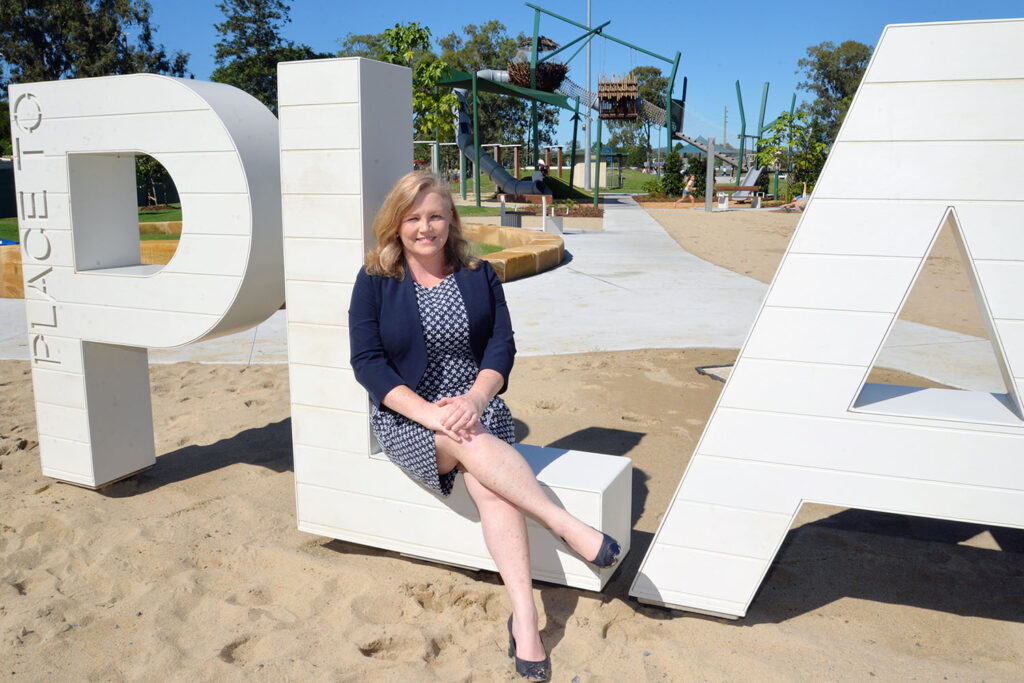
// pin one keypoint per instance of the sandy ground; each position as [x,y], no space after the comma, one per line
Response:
[193,570]
[754,243]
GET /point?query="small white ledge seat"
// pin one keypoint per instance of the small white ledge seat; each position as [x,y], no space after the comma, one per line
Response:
[372,502]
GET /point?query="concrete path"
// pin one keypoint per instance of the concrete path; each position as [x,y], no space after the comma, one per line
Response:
[628,287]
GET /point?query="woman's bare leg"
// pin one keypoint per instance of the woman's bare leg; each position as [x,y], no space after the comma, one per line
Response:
[499,467]
[505,535]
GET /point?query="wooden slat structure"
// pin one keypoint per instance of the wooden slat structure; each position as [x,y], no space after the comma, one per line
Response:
[618,97]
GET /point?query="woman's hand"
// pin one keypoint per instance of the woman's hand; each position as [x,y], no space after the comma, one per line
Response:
[462,412]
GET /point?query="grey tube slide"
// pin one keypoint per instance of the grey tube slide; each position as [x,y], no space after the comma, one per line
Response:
[467,145]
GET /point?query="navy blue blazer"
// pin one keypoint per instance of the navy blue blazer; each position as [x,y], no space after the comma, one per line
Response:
[386,336]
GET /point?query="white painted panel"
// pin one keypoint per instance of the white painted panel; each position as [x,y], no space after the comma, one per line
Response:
[1002,282]
[134,326]
[66,460]
[335,216]
[321,303]
[951,51]
[210,255]
[326,387]
[950,110]
[65,389]
[207,293]
[963,455]
[327,345]
[909,170]
[844,283]
[215,214]
[54,352]
[817,336]
[40,172]
[92,97]
[971,407]
[61,422]
[47,247]
[323,260]
[184,132]
[993,230]
[1011,333]
[716,528]
[326,428]
[320,172]
[221,172]
[770,487]
[787,387]
[710,575]
[312,82]
[868,228]
[38,211]
[330,126]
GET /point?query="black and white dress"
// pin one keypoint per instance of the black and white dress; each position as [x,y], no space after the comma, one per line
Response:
[451,371]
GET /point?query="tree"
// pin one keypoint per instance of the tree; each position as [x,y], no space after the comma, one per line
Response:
[47,40]
[251,46]
[409,45]
[796,142]
[833,74]
[697,164]
[503,119]
[672,179]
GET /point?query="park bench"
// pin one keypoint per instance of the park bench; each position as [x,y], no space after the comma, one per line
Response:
[752,193]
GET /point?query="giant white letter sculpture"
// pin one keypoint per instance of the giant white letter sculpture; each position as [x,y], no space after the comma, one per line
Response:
[796,421]
[92,308]
[346,137]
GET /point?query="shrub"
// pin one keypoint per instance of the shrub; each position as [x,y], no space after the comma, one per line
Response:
[672,180]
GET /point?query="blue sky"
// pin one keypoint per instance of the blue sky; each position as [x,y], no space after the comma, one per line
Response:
[720,42]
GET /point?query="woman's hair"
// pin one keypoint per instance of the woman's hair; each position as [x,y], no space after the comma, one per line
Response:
[388,259]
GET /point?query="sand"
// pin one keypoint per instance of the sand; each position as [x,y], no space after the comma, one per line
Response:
[755,246]
[193,570]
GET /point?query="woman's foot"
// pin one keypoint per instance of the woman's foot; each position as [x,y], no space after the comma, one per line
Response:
[594,546]
[535,667]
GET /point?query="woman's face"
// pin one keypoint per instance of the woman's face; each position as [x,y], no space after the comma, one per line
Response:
[424,228]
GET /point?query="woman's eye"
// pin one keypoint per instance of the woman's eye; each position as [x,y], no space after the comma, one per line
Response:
[437,217]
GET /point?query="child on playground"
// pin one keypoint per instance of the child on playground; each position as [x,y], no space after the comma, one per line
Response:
[687,192]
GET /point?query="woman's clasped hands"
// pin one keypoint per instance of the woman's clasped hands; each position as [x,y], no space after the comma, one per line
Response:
[459,414]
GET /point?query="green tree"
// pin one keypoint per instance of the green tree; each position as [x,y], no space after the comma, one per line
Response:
[797,143]
[251,46]
[697,164]
[833,74]
[503,119]
[672,179]
[47,40]
[409,45]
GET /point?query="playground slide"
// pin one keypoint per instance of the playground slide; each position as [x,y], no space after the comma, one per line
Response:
[650,112]
[506,183]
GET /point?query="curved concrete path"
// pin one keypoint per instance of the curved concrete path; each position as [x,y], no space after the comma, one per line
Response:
[628,287]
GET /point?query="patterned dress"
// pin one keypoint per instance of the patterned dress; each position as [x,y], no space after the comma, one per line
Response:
[451,371]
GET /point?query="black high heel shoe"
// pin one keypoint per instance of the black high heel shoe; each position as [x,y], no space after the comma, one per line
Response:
[532,671]
[607,556]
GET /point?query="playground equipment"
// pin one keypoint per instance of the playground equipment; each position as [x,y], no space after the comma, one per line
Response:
[761,128]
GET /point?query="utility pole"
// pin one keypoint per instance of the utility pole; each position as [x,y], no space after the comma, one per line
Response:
[725,122]
[586,113]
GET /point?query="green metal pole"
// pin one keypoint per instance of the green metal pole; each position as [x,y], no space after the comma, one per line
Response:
[533,86]
[668,103]
[597,164]
[476,142]
[743,135]
[575,130]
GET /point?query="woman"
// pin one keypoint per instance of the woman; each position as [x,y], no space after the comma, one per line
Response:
[431,341]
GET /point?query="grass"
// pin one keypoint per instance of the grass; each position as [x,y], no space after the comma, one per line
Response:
[486,248]
[172,214]
[9,226]
[9,229]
